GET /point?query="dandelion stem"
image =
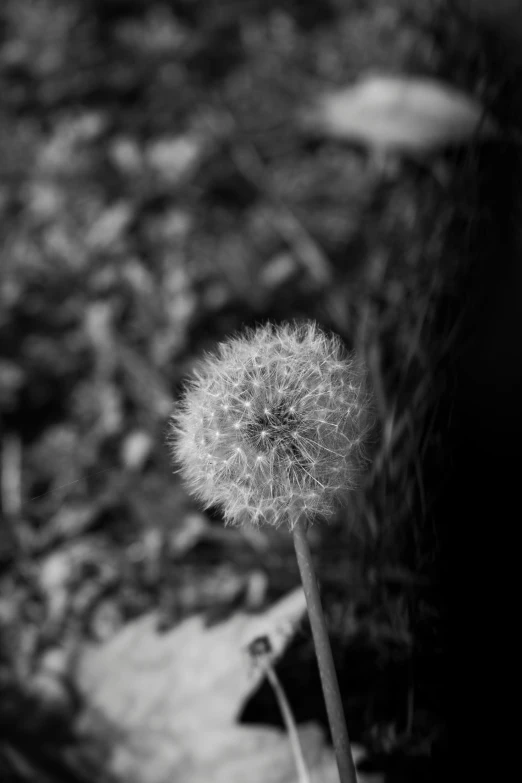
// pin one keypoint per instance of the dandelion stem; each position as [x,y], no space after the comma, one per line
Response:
[323,650]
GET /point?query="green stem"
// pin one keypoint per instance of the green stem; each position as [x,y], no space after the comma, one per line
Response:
[329,682]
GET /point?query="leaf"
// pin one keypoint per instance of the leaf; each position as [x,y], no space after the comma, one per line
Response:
[169,703]
[399,113]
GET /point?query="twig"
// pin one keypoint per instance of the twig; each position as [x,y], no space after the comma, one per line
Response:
[286,712]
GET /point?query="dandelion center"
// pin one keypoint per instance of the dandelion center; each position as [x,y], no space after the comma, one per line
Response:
[271,429]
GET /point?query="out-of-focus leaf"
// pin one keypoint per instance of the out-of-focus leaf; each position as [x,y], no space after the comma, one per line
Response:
[415,116]
[109,229]
[173,702]
[173,159]
[136,449]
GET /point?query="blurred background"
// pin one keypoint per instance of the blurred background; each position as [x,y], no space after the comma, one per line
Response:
[160,188]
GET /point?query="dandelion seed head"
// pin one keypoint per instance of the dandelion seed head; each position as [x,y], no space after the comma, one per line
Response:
[288,440]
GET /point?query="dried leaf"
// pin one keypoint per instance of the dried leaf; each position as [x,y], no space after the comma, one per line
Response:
[413,116]
[173,702]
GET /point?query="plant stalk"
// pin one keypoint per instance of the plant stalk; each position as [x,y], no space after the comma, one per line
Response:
[323,651]
[293,735]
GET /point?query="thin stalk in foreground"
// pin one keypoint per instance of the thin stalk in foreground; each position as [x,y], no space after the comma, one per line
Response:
[293,735]
[329,682]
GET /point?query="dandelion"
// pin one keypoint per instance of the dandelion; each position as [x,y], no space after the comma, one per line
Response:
[272,429]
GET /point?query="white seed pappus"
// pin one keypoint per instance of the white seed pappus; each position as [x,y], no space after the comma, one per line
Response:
[273,425]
